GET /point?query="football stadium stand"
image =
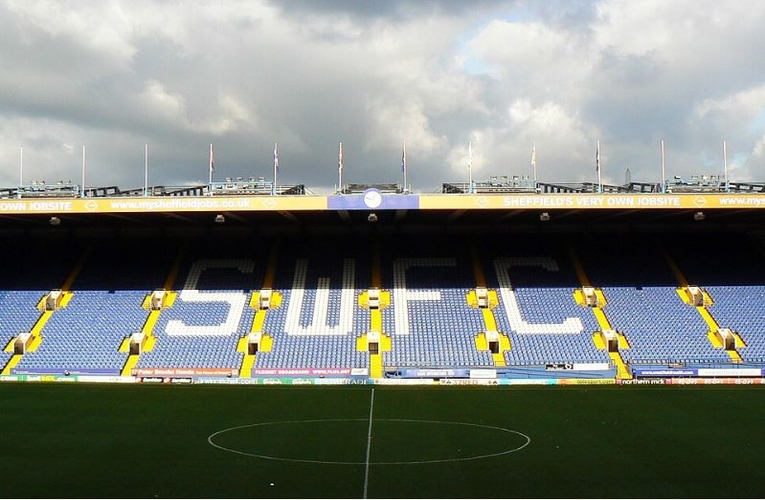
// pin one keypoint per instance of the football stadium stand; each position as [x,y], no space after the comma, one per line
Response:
[375,283]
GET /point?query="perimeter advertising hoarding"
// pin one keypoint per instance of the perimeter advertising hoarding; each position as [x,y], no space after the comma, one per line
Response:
[698,372]
[373,200]
[165,204]
[592,201]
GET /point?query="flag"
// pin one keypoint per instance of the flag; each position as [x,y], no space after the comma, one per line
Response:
[470,156]
[212,159]
[403,158]
[533,155]
[276,157]
[597,157]
[340,159]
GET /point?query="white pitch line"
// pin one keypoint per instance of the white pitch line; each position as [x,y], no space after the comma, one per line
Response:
[369,442]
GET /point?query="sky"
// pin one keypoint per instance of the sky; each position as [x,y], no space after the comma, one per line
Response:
[560,75]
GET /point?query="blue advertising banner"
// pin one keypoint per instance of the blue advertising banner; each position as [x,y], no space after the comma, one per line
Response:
[372,199]
[666,372]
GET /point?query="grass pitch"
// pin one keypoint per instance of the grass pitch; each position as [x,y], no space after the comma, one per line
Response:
[454,442]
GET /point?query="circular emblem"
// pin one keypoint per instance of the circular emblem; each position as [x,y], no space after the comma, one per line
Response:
[372,198]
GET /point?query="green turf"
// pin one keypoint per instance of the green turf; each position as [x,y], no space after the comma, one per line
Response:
[152,441]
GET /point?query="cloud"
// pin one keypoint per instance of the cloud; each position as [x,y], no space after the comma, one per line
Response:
[245,74]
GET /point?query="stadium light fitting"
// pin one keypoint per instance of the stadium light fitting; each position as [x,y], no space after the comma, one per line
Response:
[544,216]
[54,221]
[219,219]
[372,217]
[699,216]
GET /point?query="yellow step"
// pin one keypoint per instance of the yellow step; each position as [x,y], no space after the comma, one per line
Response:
[708,319]
[499,359]
[241,345]
[375,366]
[623,342]
[266,343]
[258,321]
[130,364]
[125,345]
[621,369]
[480,342]
[248,361]
[11,364]
[169,299]
[151,320]
[734,355]
[65,298]
[375,323]
[739,341]
[714,340]
[488,320]
[600,316]
[148,342]
[598,340]
[35,343]
[40,323]
[504,342]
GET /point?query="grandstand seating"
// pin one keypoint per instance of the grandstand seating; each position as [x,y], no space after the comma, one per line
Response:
[640,288]
[538,311]
[319,320]
[210,314]
[429,321]
[735,283]
[105,308]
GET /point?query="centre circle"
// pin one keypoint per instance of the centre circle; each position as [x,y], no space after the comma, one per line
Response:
[392,442]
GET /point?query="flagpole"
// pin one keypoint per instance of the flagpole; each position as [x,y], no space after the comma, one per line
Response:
[82,191]
[276,167]
[470,167]
[597,167]
[340,168]
[725,164]
[403,164]
[663,170]
[212,163]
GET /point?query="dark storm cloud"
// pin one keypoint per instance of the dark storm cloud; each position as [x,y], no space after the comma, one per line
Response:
[373,74]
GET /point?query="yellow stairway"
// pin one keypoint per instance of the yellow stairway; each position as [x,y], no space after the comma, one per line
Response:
[487,313]
[149,340]
[266,341]
[622,371]
[36,330]
[712,325]
[375,317]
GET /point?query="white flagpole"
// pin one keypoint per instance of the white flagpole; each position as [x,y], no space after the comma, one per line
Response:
[470,167]
[403,164]
[340,168]
[725,163]
[212,163]
[597,167]
[82,190]
[146,170]
[276,167]
[663,170]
